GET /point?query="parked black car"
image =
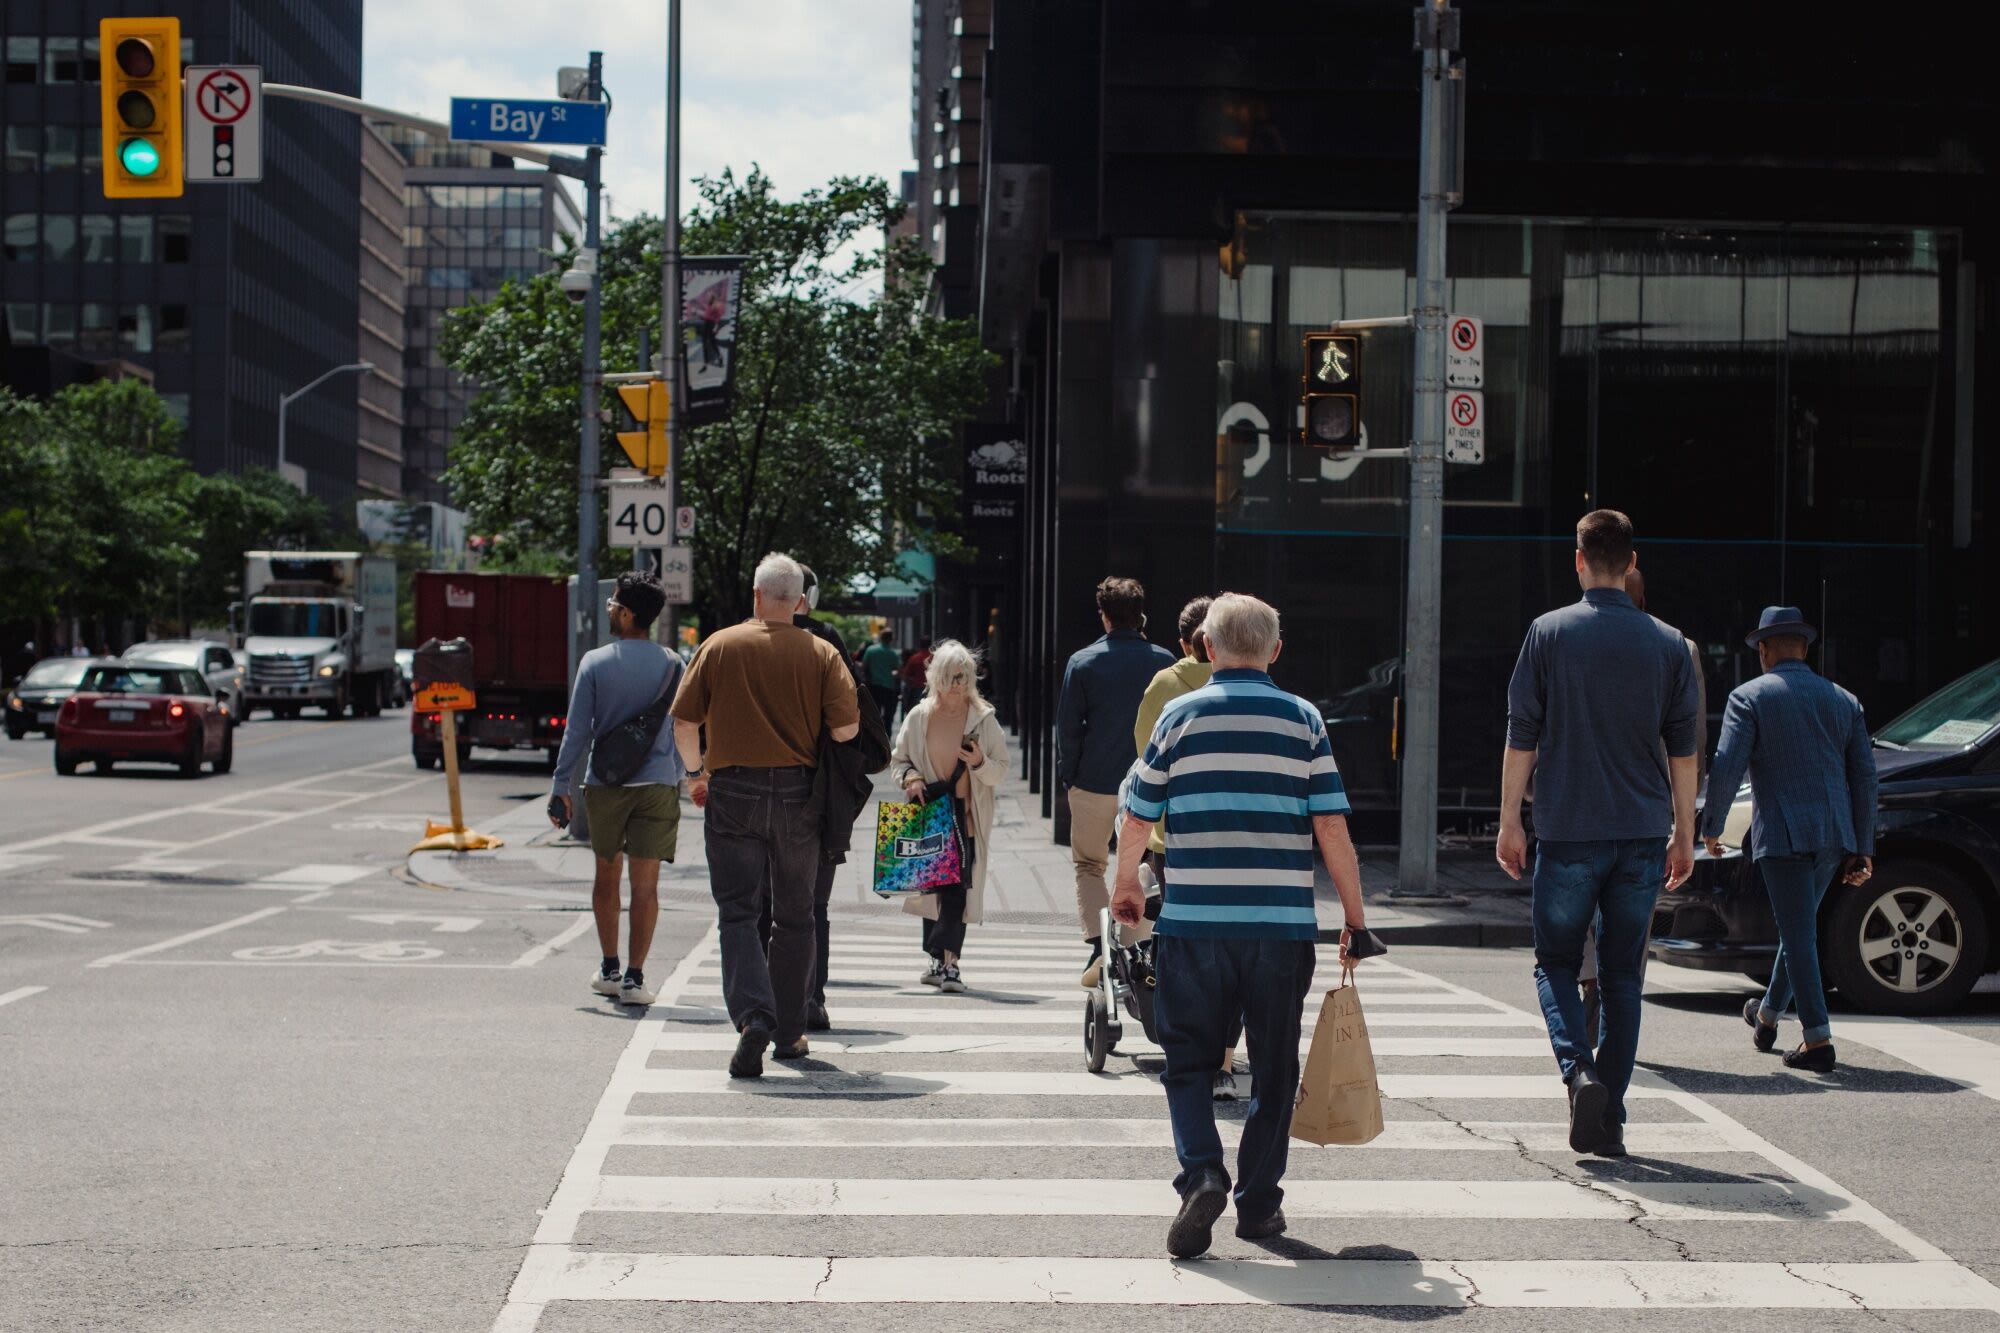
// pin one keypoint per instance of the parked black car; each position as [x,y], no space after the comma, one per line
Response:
[1920,933]
[35,697]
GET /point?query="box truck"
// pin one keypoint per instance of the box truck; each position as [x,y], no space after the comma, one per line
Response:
[319,628]
[518,626]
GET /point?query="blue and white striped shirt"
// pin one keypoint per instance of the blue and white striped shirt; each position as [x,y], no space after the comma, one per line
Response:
[1237,769]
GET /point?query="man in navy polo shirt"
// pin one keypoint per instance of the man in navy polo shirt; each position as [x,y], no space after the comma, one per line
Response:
[1244,779]
[1601,711]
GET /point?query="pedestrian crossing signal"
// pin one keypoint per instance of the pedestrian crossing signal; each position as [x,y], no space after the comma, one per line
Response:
[139,74]
[1330,392]
[648,403]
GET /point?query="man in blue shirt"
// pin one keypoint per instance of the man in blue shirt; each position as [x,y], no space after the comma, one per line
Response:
[1601,712]
[1101,690]
[640,818]
[1242,776]
[1804,742]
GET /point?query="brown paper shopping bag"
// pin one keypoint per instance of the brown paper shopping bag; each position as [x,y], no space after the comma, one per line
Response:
[1339,1101]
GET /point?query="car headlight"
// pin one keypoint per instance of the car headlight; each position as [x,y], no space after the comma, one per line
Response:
[329,670]
[13,701]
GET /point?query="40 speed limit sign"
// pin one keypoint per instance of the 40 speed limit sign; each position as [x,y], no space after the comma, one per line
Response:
[640,514]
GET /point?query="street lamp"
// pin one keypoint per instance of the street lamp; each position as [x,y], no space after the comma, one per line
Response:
[285,406]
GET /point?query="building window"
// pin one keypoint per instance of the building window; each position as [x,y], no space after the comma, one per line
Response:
[20,237]
[21,329]
[58,238]
[174,238]
[24,147]
[59,64]
[100,244]
[59,147]
[99,329]
[135,238]
[88,68]
[58,324]
[135,328]
[176,405]
[173,327]
[24,59]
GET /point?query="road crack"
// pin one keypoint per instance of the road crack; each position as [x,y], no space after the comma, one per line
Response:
[1471,1294]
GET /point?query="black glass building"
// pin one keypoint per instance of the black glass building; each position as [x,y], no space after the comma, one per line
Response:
[1729,266]
[229,296]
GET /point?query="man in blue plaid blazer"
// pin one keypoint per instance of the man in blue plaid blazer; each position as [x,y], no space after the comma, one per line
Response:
[1804,743]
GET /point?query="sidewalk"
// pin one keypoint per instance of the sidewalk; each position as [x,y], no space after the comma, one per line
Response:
[1029,880]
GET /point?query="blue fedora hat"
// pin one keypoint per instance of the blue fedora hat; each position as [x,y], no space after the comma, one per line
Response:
[1780,620]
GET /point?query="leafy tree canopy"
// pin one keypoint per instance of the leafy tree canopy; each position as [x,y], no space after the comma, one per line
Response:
[845,391]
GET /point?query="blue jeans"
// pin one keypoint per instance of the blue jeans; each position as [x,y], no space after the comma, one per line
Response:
[1797,884]
[1613,883]
[1205,986]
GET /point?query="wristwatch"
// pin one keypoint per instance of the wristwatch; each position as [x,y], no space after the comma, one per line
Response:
[698,772]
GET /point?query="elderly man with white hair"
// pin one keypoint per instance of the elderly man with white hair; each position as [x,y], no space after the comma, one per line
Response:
[1242,777]
[764,690]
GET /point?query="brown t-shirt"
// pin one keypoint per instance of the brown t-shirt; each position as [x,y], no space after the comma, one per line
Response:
[764,691]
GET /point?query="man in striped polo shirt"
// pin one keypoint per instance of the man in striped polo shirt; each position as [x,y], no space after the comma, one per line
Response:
[1244,779]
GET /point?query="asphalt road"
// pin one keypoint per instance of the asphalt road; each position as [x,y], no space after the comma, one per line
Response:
[253,1076]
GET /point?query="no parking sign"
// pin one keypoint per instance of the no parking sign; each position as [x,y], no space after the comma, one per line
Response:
[1464,426]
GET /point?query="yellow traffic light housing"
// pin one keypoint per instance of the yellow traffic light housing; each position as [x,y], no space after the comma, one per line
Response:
[1330,392]
[648,403]
[139,72]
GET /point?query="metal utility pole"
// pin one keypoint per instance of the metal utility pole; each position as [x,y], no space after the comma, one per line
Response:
[285,402]
[1416,866]
[671,360]
[587,483]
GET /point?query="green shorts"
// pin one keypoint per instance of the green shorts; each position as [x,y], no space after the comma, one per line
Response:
[643,822]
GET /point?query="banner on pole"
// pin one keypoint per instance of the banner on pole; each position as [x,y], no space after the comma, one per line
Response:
[711,293]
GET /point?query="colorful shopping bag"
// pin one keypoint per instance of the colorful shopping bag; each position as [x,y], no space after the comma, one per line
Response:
[917,848]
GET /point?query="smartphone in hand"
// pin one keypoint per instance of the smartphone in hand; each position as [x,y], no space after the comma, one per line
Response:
[559,811]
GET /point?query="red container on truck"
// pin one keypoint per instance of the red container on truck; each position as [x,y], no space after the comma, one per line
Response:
[518,626]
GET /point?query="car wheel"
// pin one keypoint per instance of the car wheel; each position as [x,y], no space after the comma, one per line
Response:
[191,761]
[1910,941]
[228,756]
[15,733]
[65,764]
[103,767]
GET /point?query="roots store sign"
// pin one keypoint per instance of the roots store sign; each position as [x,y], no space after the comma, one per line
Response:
[996,473]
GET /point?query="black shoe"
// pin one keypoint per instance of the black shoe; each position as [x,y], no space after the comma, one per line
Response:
[796,1051]
[748,1062]
[816,1019]
[1762,1035]
[1194,1227]
[1589,1099]
[1812,1059]
[1264,1228]
[1614,1138]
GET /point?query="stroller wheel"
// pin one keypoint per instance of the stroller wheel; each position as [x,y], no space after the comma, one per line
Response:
[1097,1037]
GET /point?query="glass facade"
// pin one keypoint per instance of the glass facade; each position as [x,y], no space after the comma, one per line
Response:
[1774,407]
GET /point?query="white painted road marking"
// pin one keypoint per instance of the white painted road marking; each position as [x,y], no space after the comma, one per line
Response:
[61,922]
[440,925]
[787,1082]
[1598,1284]
[188,938]
[21,993]
[679,1038]
[584,921]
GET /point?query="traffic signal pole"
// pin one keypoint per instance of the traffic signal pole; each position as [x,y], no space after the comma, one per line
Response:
[671,359]
[587,483]
[1416,864]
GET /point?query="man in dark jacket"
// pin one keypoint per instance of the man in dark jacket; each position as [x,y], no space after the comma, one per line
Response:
[1101,690]
[840,791]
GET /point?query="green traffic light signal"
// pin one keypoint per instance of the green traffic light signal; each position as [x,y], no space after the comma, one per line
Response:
[139,157]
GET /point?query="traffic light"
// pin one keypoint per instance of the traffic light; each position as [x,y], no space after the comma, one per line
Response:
[647,446]
[139,69]
[1330,389]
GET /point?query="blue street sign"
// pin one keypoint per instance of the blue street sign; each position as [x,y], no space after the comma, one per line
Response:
[527,121]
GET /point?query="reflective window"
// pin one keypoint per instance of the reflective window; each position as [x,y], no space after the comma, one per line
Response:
[100,238]
[174,237]
[21,323]
[59,145]
[24,147]
[173,327]
[24,59]
[59,59]
[135,238]
[135,328]
[19,232]
[58,324]
[58,238]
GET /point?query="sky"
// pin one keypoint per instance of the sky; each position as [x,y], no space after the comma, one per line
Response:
[808,89]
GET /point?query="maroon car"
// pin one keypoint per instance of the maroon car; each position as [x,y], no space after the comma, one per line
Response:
[144,712]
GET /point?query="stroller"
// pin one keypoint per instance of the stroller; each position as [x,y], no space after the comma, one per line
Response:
[1125,982]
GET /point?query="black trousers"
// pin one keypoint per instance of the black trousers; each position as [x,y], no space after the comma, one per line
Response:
[946,935]
[822,931]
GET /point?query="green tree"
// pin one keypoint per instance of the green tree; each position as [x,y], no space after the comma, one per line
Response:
[35,535]
[836,451]
[230,513]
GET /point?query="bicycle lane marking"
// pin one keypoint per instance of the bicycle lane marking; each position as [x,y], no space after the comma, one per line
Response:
[549,1253]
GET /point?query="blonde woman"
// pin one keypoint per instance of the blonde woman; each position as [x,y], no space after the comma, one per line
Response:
[951,741]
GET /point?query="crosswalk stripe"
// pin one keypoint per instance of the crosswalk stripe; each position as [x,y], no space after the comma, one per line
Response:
[1064,977]
[1598,1284]
[1017,1197]
[1645,1138]
[782,1081]
[949,1009]
[1132,1043]
[1015,996]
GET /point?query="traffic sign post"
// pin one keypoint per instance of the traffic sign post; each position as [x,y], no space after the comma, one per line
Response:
[519,120]
[1465,426]
[224,116]
[1465,352]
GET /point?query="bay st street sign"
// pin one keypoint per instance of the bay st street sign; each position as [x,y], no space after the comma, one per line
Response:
[526,120]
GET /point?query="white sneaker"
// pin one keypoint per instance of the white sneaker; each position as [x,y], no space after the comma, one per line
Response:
[952,983]
[934,977]
[634,990]
[605,983]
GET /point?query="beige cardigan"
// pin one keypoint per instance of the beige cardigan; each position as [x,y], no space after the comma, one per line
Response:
[912,757]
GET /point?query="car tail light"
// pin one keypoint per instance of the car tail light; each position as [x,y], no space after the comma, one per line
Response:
[176,710]
[68,713]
